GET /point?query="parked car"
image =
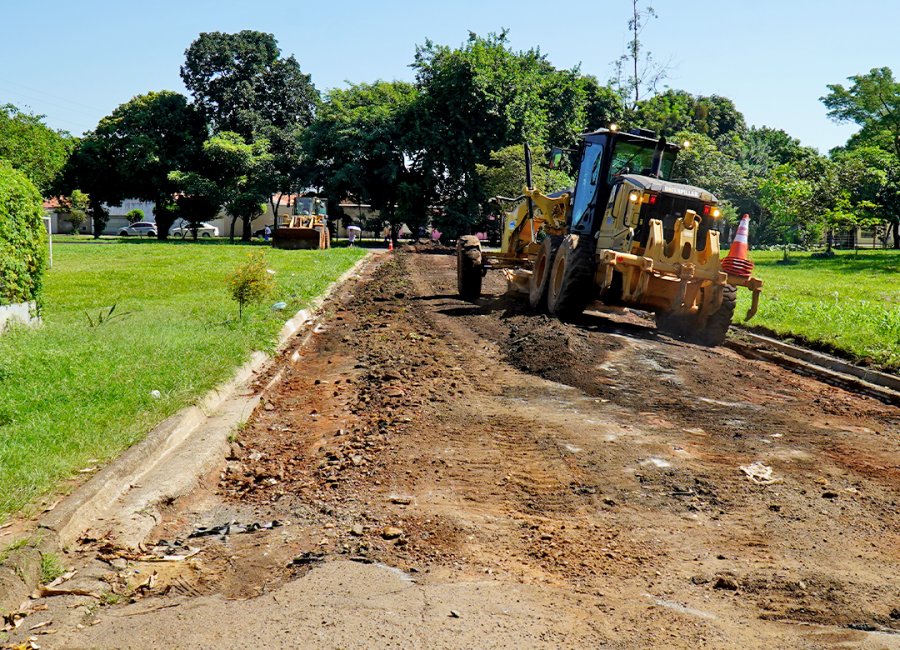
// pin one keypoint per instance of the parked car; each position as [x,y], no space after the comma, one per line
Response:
[182,228]
[140,228]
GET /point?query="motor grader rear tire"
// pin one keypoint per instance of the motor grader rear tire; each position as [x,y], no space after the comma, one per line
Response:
[571,283]
[540,274]
[468,268]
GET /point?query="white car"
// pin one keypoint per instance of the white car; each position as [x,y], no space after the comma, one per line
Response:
[140,228]
[182,228]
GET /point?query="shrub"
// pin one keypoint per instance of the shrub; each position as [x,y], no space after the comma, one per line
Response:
[135,215]
[23,238]
[251,282]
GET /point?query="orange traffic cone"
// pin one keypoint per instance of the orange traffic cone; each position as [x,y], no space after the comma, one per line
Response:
[737,262]
[390,244]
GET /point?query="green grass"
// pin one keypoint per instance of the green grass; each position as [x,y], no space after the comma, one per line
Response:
[849,303]
[51,567]
[73,396]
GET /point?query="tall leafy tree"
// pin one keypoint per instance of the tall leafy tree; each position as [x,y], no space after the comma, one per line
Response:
[872,101]
[243,84]
[788,199]
[482,97]
[603,105]
[361,140]
[132,151]
[32,147]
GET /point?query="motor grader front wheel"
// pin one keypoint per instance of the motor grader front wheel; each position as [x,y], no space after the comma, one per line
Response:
[709,332]
[468,268]
[571,281]
[540,274]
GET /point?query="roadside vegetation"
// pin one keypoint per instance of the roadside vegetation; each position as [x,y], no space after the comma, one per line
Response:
[77,391]
[849,303]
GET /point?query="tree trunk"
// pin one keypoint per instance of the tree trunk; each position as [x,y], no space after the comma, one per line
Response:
[275,205]
[896,228]
[231,234]
[162,220]
[247,235]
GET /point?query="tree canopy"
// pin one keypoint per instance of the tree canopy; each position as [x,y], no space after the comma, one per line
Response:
[361,142]
[872,101]
[241,83]
[33,148]
[133,150]
[438,148]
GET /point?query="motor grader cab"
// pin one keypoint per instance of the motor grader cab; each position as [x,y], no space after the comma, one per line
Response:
[307,228]
[625,234]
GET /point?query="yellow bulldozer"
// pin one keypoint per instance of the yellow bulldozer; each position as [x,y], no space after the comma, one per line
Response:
[625,235]
[307,228]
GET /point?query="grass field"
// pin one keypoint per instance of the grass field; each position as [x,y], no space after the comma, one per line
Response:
[849,303]
[73,395]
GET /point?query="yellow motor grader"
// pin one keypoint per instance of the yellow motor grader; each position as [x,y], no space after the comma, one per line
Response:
[306,228]
[625,235]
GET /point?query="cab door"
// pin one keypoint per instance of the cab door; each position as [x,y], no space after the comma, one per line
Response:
[589,189]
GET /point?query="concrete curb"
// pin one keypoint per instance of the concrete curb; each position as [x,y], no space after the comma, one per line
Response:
[880,385]
[89,503]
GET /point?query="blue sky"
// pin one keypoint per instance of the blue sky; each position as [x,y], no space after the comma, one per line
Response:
[75,62]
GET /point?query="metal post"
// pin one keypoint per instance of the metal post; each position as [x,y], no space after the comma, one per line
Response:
[530,184]
[49,224]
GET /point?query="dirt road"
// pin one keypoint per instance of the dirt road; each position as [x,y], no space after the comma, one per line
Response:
[431,473]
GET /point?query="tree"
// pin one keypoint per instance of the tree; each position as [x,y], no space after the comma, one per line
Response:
[241,83]
[77,204]
[232,174]
[482,97]
[678,110]
[869,181]
[32,147]
[251,281]
[637,72]
[762,149]
[132,151]
[360,140]
[872,102]
[603,105]
[787,198]
[135,215]
[89,166]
